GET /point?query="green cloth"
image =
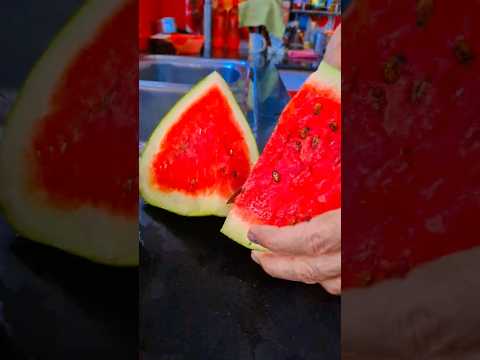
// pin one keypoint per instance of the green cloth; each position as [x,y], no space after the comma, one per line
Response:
[263,12]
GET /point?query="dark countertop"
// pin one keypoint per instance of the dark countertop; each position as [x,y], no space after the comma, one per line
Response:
[201,296]
[57,306]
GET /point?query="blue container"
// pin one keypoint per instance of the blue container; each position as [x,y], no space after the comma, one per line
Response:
[319,42]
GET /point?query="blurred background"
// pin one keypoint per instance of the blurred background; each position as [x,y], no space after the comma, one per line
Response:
[293,34]
[54,305]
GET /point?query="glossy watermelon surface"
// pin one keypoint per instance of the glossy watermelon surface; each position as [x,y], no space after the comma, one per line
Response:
[411,170]
[298,175]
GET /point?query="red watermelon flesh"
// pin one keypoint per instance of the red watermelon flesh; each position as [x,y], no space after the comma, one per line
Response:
[73,137]
[87,123]
[411,172]
[179,164]
[200,154]
[298,175]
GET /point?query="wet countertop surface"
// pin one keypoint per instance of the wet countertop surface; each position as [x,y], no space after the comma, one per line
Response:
[201,296]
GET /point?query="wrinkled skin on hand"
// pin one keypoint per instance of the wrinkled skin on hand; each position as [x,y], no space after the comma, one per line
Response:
[309,252]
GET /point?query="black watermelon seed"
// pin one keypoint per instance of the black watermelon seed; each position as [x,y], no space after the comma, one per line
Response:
[304,132]
[333,126]
[276,176]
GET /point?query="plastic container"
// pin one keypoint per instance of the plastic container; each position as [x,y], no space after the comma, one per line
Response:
[233,31]
[319,4]
[319,42]
[219,25]
[184,44]
[298,4]
[194,15]
[167,25]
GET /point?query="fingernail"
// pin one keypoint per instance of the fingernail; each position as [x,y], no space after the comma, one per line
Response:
[254,257]
[251,236]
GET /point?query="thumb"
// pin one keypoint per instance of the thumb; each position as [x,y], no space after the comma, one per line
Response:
[320,235]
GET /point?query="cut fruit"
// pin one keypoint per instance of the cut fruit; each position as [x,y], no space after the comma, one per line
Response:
[298,175]
[72,130]
[200,154]
[412,175]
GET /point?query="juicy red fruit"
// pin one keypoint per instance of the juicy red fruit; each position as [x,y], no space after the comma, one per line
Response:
[298,175]
[410,169]
[86,141]
[203,151]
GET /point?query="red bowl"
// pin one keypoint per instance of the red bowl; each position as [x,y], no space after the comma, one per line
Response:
[187,44]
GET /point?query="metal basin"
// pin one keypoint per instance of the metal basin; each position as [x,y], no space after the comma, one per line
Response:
[185,70]
[165,79]
[293,79]
[155,100]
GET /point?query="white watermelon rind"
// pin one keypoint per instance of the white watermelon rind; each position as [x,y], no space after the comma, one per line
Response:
[88,232]
[327,77]
[175,201]
[236,227]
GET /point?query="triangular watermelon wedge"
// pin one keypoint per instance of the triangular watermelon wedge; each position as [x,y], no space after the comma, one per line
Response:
[68,157]
[298,175]
[200,154]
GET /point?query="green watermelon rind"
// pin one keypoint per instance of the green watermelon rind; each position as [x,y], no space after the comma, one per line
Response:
[236,227]
[327,77]
[21,211]
[176,201]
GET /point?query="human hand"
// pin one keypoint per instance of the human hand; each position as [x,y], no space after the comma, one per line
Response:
[308,252]
[430,314]
[333,52]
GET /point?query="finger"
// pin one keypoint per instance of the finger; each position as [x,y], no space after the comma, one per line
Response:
[286,240]
[333,286]
[321,235]
[304,269]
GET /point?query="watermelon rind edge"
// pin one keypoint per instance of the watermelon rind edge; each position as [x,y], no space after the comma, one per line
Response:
[175,201]
[236,229]
[328,77]
[120,247]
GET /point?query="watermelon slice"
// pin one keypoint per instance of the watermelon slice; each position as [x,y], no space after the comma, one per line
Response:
[298,174]
[200,154]
[411,169]
[68,158]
